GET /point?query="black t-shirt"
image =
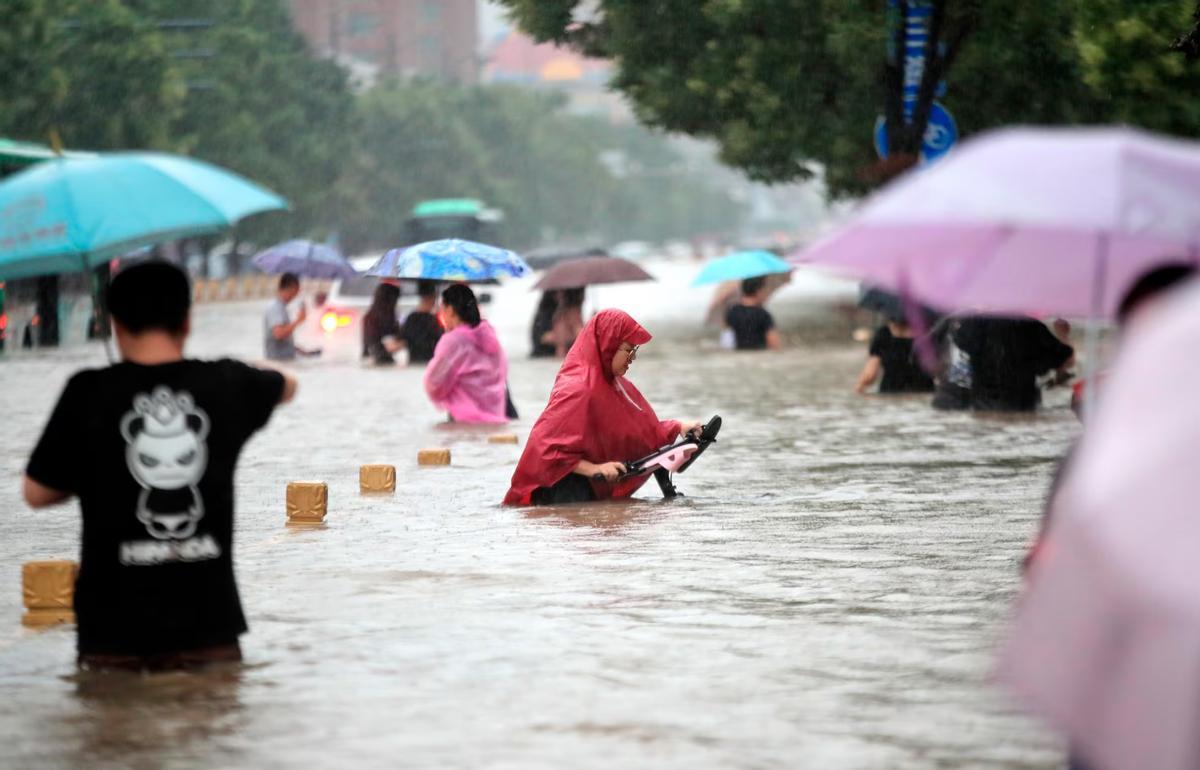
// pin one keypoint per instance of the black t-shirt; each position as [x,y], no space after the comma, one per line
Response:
[750,324]
[421,333]
[150,452]
[374,330]
[1007,356]
[901,371]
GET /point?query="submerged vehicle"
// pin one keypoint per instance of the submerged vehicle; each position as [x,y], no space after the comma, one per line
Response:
[672,458]
[464,218]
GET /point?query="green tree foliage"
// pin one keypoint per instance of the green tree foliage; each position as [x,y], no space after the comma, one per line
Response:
[519,151]
[1188,43]
[258,103]
[781,84]
[92,71]
[231,82]
[1130,69]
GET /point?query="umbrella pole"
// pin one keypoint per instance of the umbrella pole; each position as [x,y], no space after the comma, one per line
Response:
[1091,345]
[101,319]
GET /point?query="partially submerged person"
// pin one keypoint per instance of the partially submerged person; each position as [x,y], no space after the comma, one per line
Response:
[278,328]
[1007,357]
[891,355]
[467,374]
[541,331]
[596,420]
[752,326]
[568,321]
[381,328]
[421,329]
[952,385]
[1146,292]
[149,446]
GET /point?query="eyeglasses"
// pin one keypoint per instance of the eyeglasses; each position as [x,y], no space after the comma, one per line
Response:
[632,352]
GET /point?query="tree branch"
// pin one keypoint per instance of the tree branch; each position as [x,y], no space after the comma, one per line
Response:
[1189,43]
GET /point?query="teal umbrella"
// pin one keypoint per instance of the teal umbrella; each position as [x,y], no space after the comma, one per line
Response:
[741,265]
[64,215]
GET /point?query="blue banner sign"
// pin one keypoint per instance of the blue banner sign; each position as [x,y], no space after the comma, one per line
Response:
[916,38]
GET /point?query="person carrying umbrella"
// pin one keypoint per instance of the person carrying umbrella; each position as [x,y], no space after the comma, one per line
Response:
[149,446]
[560,315]
[380,327]
[751,325]
[748,325]
[1106,637]
[421,329]
[595,421]
[468,372]
[567,321]
[279,328]
[541,332]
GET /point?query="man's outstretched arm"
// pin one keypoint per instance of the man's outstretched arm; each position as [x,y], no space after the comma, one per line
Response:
[39,495]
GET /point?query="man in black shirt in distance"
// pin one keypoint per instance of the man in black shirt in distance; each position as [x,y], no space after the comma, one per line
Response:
[752,326]
[1007,357]
[149,446]
[422,329]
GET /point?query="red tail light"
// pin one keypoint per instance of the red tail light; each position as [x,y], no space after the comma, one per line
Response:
[331,320]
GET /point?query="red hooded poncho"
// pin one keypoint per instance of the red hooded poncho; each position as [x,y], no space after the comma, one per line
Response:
[592,415]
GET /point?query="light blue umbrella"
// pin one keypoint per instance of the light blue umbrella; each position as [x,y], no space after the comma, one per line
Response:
[449,260]
[304,258]
[64,215]
[741,265]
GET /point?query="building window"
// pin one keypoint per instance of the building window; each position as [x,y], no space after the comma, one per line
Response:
[361,24]
[431,52]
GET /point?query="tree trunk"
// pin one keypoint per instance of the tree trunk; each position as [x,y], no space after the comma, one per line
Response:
[905,139]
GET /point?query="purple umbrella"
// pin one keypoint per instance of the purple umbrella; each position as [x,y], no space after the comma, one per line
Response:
[586,271]
[1106,643]
[304,258]
[1023,220]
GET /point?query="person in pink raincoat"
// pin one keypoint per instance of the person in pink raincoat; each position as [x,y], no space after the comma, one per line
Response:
[468,371]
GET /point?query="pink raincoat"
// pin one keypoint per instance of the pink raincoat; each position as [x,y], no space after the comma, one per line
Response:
[468,373]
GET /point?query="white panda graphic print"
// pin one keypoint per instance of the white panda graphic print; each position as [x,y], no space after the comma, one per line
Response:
[166,453]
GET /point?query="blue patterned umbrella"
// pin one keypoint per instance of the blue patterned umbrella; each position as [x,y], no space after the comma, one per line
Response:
[449,260]
[304,258]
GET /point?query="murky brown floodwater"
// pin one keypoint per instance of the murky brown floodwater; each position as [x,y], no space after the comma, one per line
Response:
[827,596]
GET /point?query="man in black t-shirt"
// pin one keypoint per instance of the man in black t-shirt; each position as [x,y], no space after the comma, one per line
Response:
[1007,357]
[752,326]
[422,330]
[149,447]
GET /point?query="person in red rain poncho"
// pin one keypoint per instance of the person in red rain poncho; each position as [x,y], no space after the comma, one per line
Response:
[595,420]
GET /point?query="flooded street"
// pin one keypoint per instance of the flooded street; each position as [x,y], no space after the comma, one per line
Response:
[828,594]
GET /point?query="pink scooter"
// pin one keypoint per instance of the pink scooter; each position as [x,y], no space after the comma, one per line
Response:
[673,458]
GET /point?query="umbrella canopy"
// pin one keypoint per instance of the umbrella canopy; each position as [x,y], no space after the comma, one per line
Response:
[586,271]
[451,260]
[891,306]
[1023,220]
[304,258]
[741,265]
[1106,642]
[61,215]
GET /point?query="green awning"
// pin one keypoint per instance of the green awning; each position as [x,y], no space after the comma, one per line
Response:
[17,153]
[448,207]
